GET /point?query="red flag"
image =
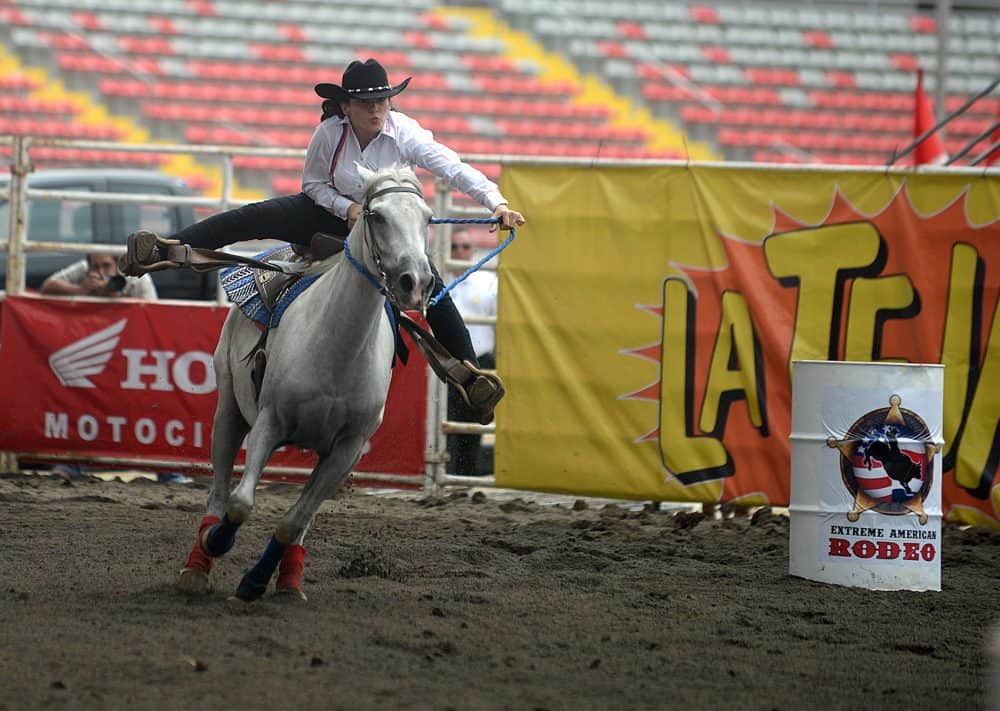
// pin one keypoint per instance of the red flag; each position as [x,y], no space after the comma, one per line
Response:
[931,150]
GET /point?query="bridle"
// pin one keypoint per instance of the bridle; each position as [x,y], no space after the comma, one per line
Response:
[381,281]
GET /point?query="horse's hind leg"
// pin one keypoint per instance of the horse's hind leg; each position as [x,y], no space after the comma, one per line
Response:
[329,474]
[289,582]
[228,430]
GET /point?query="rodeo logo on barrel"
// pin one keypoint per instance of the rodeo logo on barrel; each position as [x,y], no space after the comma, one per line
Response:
[886,465]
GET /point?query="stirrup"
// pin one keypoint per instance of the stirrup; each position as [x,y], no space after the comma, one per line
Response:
[480,390]
[142,254]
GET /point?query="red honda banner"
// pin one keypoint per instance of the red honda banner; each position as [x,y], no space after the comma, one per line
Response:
[135,379]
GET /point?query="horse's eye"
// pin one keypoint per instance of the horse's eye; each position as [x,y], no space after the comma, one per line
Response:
[376,217]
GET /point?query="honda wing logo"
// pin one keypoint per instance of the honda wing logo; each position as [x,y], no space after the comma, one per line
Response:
[88,356]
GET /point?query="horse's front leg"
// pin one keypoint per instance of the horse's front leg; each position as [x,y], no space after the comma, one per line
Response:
[263,439]
[228,430]
[285,545]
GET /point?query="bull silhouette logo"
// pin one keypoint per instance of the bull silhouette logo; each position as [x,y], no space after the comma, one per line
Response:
[886,462]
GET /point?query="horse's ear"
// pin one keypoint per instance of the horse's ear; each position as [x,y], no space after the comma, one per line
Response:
[366,175]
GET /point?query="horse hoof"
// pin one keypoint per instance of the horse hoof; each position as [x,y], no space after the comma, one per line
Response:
[194,582]
[238,512]
[248,591]
[237,604]
[292,594]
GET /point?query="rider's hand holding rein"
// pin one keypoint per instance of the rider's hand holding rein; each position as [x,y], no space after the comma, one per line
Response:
[352,214]
[508,218]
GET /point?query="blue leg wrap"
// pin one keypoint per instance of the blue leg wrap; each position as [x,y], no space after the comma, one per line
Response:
[220,537]
[254,583]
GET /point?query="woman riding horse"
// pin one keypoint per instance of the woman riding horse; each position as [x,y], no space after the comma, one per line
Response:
[327,388]
[358,128]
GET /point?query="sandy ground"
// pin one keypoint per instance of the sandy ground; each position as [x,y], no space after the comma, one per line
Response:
[465,603]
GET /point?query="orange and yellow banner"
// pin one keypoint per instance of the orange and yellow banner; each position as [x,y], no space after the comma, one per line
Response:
[649,317]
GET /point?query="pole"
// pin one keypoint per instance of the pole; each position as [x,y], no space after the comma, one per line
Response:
[17,226]
[940,91]
[16,229]
[436,452]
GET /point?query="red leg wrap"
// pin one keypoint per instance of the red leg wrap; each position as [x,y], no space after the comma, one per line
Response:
[290,570]
[196,558]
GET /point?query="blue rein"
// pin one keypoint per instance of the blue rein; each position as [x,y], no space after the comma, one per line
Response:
[361,268]
[475,267]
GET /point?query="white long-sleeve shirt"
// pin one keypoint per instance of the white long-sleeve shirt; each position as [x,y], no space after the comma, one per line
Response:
[331,179]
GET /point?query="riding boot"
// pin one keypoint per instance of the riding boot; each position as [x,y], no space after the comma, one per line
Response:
[146,252]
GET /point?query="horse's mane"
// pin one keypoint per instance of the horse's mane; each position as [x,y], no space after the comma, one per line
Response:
[401,174]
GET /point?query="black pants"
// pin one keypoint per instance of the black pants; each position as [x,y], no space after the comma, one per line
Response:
[296,218]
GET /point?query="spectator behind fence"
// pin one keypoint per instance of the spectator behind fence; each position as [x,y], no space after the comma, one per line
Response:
[98,275]
[476,296]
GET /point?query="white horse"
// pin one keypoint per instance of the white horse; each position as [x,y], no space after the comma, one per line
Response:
[325,386]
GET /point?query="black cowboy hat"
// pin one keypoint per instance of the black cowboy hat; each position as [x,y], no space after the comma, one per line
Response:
[362,80]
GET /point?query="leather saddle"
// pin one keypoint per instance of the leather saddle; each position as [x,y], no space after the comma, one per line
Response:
[273,284]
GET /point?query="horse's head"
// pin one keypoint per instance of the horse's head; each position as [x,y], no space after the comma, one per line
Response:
[394,218]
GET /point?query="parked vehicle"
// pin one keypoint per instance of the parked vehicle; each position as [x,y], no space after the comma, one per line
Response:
[103,223]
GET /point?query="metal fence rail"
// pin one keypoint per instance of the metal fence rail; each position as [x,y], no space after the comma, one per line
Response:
[437,424]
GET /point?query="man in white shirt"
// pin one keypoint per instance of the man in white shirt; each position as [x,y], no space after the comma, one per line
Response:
[475,296]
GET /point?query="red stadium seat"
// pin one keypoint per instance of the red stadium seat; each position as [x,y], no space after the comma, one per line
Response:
[904,62]
[418,40]
[716,55]
[817,39]
[631,30]
[704,14]
[203,8]
[923,24]
[13,17]
[612,49]
[278,53]
[162,25]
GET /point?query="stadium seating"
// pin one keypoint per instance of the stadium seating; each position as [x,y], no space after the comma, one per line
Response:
[769,82]
[778,82]
[21,113]
[240,72]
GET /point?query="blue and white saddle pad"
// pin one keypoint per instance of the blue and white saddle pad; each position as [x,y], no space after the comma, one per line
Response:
[242,285]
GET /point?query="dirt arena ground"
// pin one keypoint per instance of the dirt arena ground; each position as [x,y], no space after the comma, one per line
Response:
[465,603]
